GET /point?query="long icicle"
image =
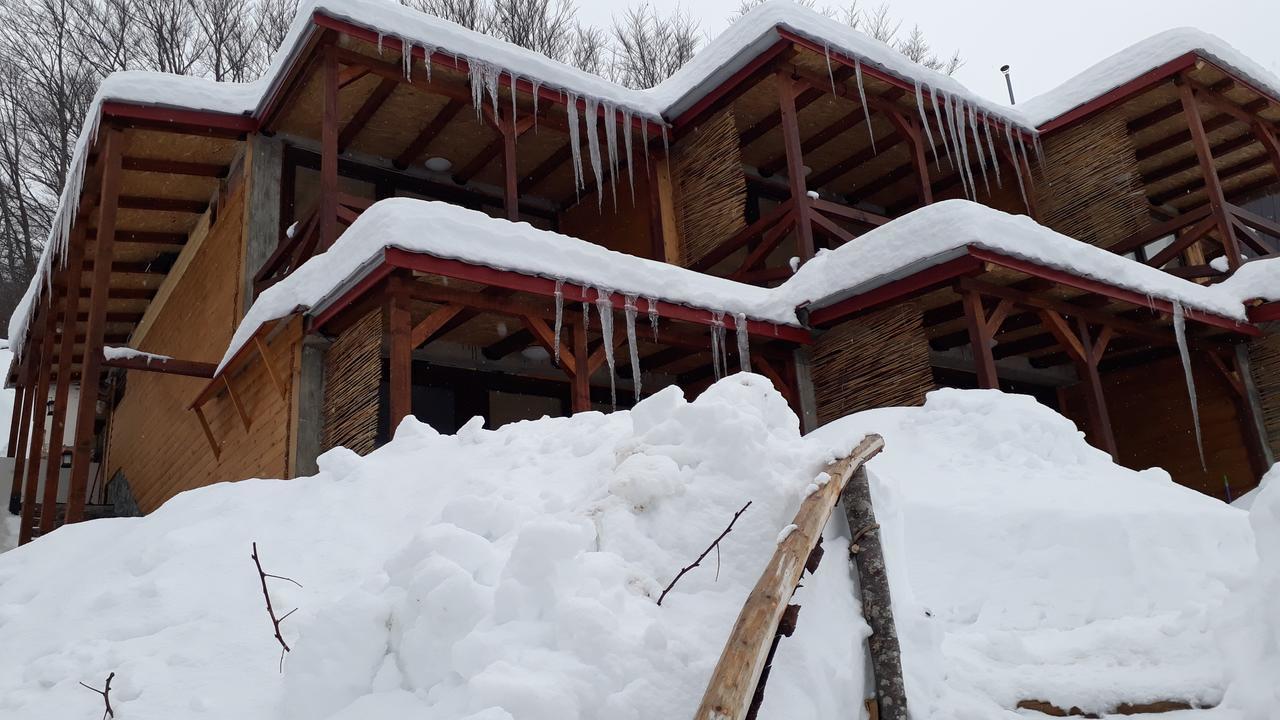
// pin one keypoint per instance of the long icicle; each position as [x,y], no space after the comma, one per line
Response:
[991,148]
[605,307]
[627,119]
[949,111]
[1180,333]
[942,127]
[717,338]
[977,144]
[575,147]
[866,109]
[924,120]
[593,147]
[744,343]
[559,317]
[1017,166]
[964,150]
[629,308]
[611,139]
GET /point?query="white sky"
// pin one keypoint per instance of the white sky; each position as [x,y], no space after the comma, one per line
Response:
[1044,42]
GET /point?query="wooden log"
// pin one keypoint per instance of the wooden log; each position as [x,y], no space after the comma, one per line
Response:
[877,606]
[733,683]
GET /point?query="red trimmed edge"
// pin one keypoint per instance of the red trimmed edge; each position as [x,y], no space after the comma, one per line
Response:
[1101,288]
[866,69]
[1139,84]
[913,285]
[444,59]
[710,99]
[179,116]
[1266,312]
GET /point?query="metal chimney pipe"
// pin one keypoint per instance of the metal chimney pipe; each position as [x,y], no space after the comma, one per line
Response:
[1008,81]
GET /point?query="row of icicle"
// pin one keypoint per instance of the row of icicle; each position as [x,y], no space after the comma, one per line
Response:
[630,307]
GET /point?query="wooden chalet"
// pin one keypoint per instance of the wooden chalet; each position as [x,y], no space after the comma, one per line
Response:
[790,135]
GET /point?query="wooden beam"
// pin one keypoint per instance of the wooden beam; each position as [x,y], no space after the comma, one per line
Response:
[1191,162]
[821,179]
[806,98]
[1213,187]
[167,240]
[400,359]
[849,122]
[580,394]
[432,324]
[366,112]
[545,337]
[167,366]
[175,167]
[545,168]
[980,339]
[91,366]
[158,204]
[328,204]
[35,452]
[513,342]
[787,90]
[1100,418]
[62,393]
[418,146]
[1151,233]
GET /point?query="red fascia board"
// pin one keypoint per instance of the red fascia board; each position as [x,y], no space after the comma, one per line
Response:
[899,290]
[1101,288]
[367,283]
[546,287]
[444,59]
[122,110]
[1142,83]
[868,70]
[714,96]
[1267,312]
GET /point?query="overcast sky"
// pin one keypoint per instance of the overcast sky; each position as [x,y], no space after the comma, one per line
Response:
[1044,42]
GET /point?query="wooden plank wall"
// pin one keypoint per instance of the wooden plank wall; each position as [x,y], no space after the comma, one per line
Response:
[1264,359]
[1151,417]
[1088,186]
[624,226]
[878,360]
[711,190]
[352,375]
[154,439]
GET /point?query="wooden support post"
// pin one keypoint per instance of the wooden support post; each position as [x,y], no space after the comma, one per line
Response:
[1099,417]
[580,400]
[980,340]
[1269,142]
[787,87]
[35,450]
[91,365]
[329,149]
[1212,184]
[30,361]
[400,352]
[66,348]
[909,129]
[15,419]
[667,209]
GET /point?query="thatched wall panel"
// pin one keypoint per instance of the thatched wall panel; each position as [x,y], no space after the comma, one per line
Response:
[352,374]
[711,190]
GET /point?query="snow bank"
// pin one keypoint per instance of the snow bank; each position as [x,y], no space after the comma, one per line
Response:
[487,575]
[512,574]
[1254,280]
[1136,60]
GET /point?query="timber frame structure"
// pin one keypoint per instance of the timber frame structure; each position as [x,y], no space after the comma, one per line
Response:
[186,216]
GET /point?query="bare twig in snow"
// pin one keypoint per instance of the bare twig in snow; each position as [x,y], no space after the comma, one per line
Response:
[275,622]
[106,696]
[713,546]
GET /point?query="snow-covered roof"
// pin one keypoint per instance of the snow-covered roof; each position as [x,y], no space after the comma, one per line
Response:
[938,232]
[1141,58]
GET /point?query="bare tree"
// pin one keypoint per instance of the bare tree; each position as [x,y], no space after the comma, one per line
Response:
[274,17]
[170,34]
[590,51]
[471,14]
[106,33]
[230,42]
[649,47]
[544,26]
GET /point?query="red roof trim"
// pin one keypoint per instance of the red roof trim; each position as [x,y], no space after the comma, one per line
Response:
[710,99]
[1117,94]
[123,110]
[913,285]
[1078,282]
[1267,312]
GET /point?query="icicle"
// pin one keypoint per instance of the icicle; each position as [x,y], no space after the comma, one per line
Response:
[924,120]
[644,141]
[1180,332]
[977,144]
[862,96]
[826,50]
[666,149]
[950,113]
[744,344]
[942,127]
[653,317]
[964,150]
[611,139]
[379,44]
[605,308]
[1017,166]
[484,78]
[627,119]
[406,57]
[593,147]
[537,88]
[1035,141]
[991,150]
[574,145]
[559,316]
[629,309]
[586,316]
[514,81]
[428,52]
[717,340]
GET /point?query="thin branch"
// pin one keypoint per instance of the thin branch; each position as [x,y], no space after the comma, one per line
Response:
[713,546]
[275,622]
[106,696]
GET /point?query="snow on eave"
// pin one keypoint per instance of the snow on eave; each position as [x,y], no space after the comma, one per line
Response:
[927,236]
[1141,58]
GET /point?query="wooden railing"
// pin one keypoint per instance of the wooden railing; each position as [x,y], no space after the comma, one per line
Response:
[1240,232]
[299,245]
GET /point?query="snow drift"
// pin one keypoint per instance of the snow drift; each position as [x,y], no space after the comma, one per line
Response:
[512,574]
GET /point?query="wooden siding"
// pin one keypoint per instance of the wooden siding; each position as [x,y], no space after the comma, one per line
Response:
[877,360]
[155,440]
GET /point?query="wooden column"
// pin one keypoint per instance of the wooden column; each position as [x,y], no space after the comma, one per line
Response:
[787,87]
[1098,414]
[580,400]
[400,352]
[66,348]
[35,450]
[1212,185]
[984,362]
[26,380]
[91,365]
[910,129]
[16,417]
[329,149]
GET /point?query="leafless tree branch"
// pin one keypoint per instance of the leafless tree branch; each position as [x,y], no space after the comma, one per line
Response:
[713,546]
[106,696]
[275,622]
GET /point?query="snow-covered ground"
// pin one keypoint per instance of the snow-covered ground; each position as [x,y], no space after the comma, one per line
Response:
[512,574]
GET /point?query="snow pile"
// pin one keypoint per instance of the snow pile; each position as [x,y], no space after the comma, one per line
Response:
[1254,280]
[512,574]
[1256,653]
[1140,58]
[1026,566]
[487,575]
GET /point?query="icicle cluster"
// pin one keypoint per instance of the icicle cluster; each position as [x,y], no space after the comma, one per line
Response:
[604,306]
[484,79]
[719,359]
